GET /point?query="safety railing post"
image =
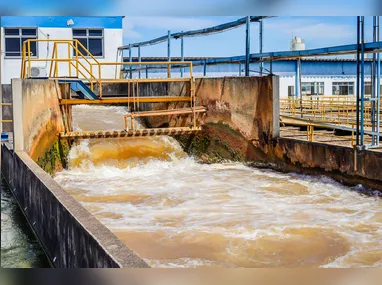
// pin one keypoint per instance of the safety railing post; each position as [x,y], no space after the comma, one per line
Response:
[77,58]
[29,59]
[69,65]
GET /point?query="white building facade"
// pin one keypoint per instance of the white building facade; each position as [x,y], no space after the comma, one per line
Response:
[100,35]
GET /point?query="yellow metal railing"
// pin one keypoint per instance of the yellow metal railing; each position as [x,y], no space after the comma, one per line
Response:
[85,65]
[333,109]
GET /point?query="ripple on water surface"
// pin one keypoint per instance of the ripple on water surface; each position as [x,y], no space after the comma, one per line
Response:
[175,212]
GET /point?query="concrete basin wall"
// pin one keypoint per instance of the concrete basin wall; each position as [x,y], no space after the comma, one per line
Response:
[69,234]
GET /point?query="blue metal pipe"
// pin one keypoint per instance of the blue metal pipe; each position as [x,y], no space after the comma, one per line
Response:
[378,83]
[131,66]
[358,77]
[362,142]
[373,85]
[261,45]
[139,59]
[169,53]
[297,79]
[193,33]
[247,45]
[181,55]
[205,68]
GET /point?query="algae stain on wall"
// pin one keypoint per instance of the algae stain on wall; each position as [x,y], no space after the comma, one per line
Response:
[54,159]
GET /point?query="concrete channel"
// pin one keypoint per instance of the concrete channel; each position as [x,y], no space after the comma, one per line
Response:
[242,118]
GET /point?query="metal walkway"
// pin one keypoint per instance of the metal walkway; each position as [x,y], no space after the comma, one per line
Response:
[130,133]
[84,73]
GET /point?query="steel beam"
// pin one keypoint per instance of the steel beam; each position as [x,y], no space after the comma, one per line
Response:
[247,45]
[193,33]
[124,100]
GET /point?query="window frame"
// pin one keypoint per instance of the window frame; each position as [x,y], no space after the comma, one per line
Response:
[20,37]
[313,85]
[339,84]
[87,37]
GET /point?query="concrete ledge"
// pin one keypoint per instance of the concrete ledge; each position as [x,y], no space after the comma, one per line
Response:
[69,234]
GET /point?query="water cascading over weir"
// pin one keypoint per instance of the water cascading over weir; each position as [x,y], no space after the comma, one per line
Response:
[233,119]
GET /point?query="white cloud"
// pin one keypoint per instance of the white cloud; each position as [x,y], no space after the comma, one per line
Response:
[311,29]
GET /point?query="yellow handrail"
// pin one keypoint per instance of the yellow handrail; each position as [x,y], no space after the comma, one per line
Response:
[75,61]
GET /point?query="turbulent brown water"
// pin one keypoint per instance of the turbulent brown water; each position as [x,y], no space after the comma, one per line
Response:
[175,212]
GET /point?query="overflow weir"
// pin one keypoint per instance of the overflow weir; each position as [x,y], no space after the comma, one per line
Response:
[214,120]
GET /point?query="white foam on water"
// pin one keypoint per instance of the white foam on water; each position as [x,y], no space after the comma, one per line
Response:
[231,208]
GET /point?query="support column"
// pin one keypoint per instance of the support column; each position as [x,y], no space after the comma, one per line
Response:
[358,76]
[362,142]
[297,78]
[205,68]
[140,60]
[378,70]
[130,60]
[169,53]
[373,84]
[247,45]
[181,55]
[261,45]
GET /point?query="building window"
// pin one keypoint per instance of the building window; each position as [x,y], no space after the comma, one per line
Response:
[312,88]
[14,38]
[343,88]
[291,90]
[91,39]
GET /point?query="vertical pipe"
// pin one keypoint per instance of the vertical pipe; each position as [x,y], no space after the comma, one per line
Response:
[362,79]
[239,68]
[378,83]
[130,60]
[373,84]
[261,45]
[297,78]
[205,67]
[169,53]
[147,71]
[140,60]
[358,77]
[181,55]
[247,44]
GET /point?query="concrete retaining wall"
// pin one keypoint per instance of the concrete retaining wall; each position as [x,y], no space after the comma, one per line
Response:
[69,234]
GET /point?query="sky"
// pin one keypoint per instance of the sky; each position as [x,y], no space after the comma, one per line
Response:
[317,31]
[148,19]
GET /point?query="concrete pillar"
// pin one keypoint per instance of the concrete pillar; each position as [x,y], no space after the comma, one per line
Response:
[18,131]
